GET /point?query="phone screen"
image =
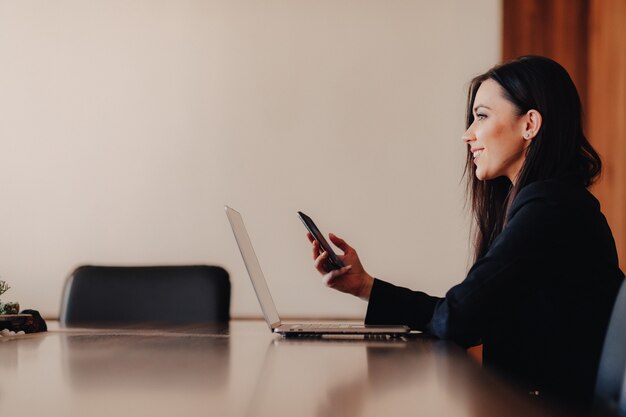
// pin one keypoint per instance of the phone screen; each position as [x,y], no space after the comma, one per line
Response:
[333,261]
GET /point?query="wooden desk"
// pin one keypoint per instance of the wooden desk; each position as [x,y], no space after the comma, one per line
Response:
[243,371]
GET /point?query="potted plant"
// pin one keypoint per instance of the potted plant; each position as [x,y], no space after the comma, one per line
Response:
[7,308]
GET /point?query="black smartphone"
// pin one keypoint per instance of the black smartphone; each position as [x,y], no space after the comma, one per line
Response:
[333,261]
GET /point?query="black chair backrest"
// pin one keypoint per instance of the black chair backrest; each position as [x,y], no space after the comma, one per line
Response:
[610,384]
[622,403]
[146,294]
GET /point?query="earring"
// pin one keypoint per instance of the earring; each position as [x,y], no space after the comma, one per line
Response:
[527,135]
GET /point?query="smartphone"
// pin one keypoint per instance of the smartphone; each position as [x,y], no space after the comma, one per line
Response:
[333,261]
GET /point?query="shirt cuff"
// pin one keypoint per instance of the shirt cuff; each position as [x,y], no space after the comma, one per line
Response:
[391,305]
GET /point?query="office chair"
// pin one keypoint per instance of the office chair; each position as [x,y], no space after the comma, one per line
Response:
[610,394]
[100,295]
[622,403]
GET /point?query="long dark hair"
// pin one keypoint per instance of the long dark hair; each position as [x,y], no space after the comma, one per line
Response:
[559,149]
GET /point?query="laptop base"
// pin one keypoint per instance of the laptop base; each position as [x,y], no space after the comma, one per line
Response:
[317,329]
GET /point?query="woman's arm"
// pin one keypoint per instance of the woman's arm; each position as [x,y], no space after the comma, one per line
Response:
[506,273]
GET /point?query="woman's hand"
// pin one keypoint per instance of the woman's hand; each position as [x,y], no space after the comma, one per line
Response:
[352,278]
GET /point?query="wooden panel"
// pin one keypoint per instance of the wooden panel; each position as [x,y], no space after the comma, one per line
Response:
[607,110]
[552,28]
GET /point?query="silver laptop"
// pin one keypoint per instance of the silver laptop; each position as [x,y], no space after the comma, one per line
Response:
[267,303]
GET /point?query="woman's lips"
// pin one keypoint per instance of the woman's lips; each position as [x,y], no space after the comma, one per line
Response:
[476,153]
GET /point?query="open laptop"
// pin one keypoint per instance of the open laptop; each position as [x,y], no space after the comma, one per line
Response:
[267,303]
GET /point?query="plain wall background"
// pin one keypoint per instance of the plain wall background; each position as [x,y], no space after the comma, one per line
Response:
[125,126]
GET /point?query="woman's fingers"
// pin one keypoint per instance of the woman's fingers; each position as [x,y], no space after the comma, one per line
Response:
[331,277]
[339,242]
[320,258]
[315,246]
[316,250]
[319,262]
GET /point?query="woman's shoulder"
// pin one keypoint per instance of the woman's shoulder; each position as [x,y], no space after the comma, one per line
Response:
[563,192]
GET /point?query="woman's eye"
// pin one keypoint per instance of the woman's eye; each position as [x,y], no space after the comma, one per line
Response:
[481,116]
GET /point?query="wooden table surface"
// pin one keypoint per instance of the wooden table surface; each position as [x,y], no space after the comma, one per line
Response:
[244,370]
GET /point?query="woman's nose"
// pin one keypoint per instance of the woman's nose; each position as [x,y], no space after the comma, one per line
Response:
[468,136]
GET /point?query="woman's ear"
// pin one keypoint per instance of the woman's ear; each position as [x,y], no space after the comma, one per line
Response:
[532,124]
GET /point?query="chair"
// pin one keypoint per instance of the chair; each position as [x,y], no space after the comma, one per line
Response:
[610,394]
[622,402]
[101,295]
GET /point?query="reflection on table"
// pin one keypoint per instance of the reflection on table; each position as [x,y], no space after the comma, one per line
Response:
[244,370]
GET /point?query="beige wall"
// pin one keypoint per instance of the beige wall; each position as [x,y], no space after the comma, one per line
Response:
[126,125]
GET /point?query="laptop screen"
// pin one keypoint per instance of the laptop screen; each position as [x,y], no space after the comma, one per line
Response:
[253,267]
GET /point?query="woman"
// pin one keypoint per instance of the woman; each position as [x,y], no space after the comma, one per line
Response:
[545,277]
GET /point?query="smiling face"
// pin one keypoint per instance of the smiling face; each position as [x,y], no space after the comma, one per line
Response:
[498,136]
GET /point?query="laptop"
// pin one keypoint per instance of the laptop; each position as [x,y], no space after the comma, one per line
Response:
[267,303]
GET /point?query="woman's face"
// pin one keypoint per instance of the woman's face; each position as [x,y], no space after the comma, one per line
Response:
[496,136]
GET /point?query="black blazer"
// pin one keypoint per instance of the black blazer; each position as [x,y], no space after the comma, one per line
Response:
[539,300]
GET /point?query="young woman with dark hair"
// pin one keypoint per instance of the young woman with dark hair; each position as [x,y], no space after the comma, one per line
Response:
[546,274]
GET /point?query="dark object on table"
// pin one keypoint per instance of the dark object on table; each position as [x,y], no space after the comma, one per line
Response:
[13,322]
[103,295]
[35,324]
[28,321]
